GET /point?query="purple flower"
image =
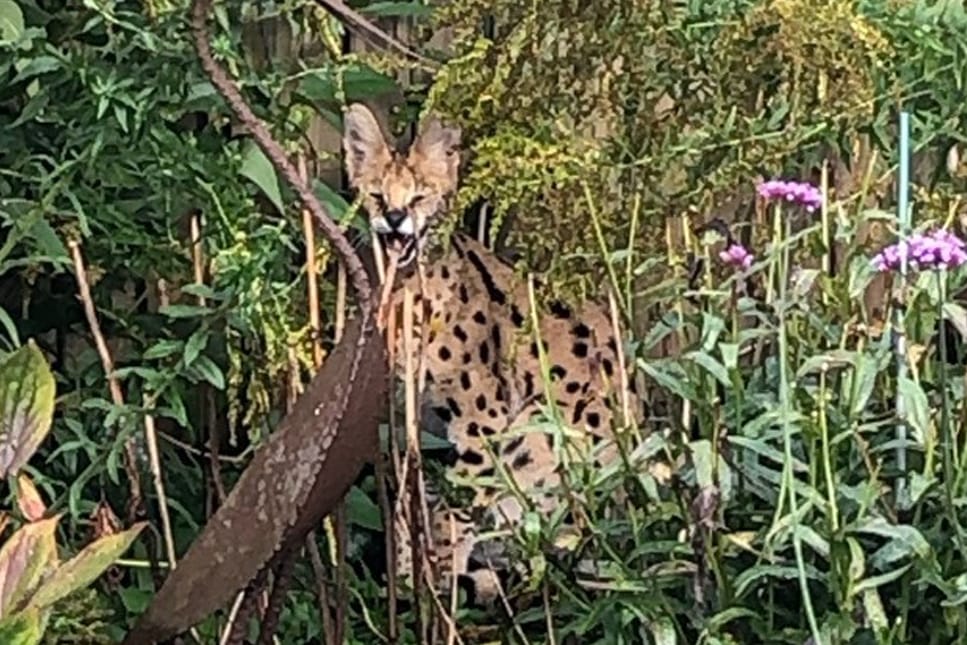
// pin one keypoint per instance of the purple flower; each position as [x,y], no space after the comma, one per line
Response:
[797,192]
[933,251]
[737,256]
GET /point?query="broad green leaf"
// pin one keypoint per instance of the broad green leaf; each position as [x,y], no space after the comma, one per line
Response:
[874,610]
[163,348]
[864,378]
[26,406]
[663,631]
[22,628]
[207,369]
[11,21]
[195,345]
[711,365]
[85,567]
[257,168]
[904,541]
[24,558]
[916,407]
[361,511]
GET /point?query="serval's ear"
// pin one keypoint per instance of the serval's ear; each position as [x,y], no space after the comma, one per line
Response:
[435,154]
[367,153]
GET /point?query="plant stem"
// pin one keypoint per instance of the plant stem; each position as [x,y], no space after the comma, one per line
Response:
[786,412]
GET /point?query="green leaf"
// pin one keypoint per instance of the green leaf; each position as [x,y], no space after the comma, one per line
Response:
[183,311]
[11,21]
[916,407]
[22,628]
[26,406]
[85,567]
[163,348]
[663,631]
[259,170]
[25,558]
[195,345]
[904,540]
[711,365]
[391,9]
[361,511]
[207,369]
[36,67]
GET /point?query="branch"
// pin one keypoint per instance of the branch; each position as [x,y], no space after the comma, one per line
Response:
[360,22]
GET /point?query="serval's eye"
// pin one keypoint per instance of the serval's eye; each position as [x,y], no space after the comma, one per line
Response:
[379,200]
[417,199]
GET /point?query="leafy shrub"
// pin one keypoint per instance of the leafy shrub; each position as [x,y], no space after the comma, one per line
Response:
[35,578]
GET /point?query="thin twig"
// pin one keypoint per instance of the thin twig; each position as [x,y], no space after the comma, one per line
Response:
[207,400]
[355,19]
[136,502]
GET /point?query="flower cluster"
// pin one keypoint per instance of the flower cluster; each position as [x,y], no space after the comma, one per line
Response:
[800,193]
[924,252]
[737,256]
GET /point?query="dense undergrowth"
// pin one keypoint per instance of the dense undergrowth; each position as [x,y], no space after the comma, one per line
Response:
[790,513]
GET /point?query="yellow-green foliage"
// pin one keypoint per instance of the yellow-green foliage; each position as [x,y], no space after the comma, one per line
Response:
[682,106]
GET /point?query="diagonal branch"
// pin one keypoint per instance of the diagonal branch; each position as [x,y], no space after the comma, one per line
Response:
[361,23]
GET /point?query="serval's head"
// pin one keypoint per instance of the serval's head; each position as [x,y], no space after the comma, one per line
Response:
[403,191]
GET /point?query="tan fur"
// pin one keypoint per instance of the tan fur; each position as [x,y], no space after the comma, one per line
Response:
[418,182]
[484,373]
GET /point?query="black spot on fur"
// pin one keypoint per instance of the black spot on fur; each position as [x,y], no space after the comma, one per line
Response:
[513,445]
[454,407]
[473,429]
[481,402]
[580,350]
[560,310]
[472,457]
[444,353]
[487,431]
[594,419]
[521,460]
[492,413]
[467,357]
[558,371]
[444,413]
[495,336]
[445,272]
[485,352]
[516,317]
[464,296]
[608,367]
[480,318]
[582,331]
[493,291]
[572,387]
[465,380]
[528,384]
[500,393]
[613,346]
[578,411]
[460,334]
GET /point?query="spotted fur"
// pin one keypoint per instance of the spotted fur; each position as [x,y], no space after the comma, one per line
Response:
[484,375]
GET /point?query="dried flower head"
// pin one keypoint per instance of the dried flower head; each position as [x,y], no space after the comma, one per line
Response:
[737,256]
[797,192]
[933,251]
